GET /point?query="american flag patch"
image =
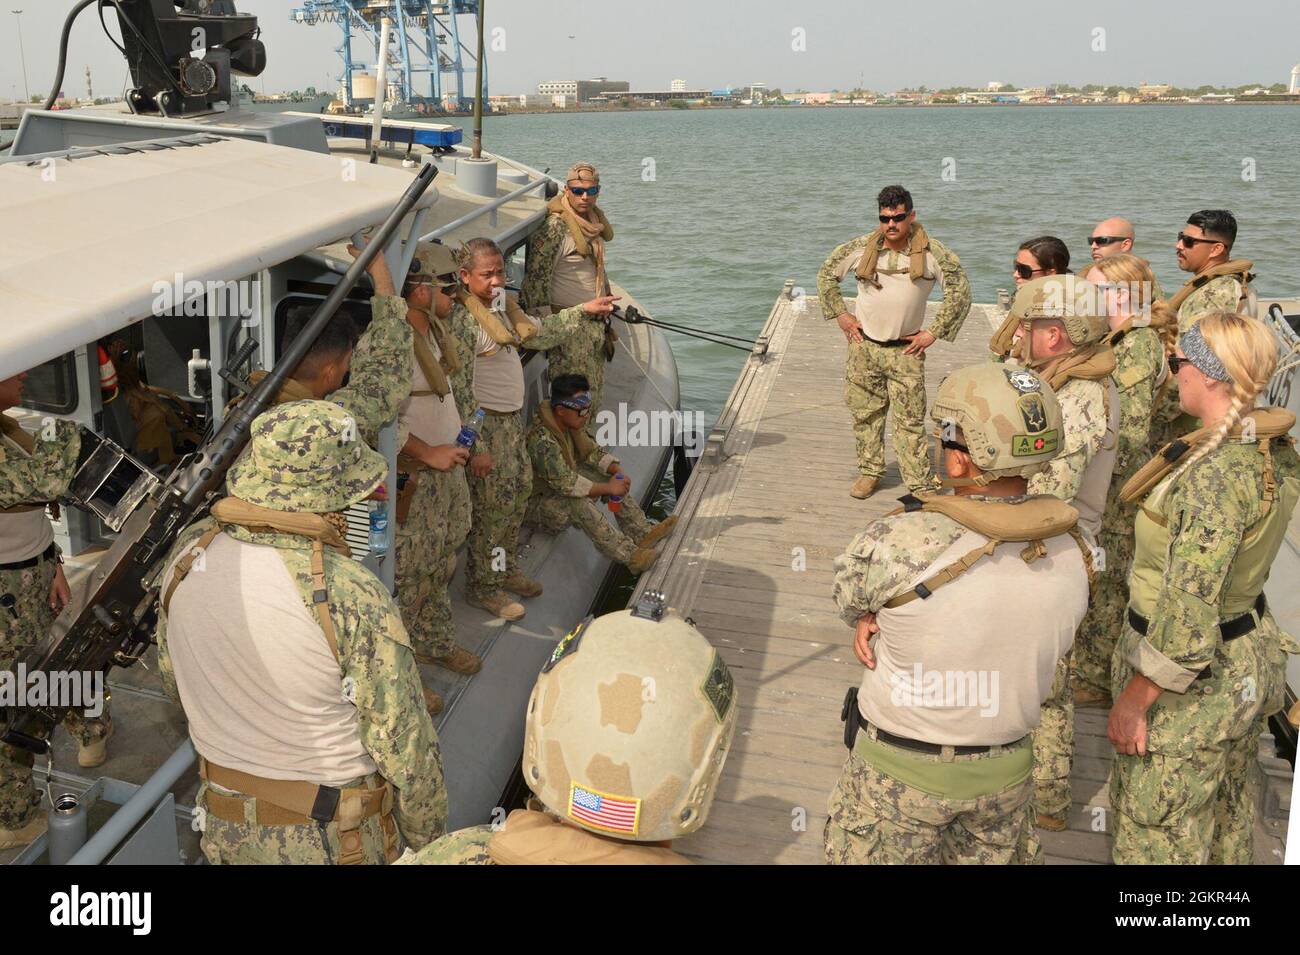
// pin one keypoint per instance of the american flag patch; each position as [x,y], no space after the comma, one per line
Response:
[603,811]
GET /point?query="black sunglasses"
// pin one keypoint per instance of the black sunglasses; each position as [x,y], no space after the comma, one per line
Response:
[1105,239]
[1024,271]
[1176,363]
[898,218]
[955,446]
[1189,240]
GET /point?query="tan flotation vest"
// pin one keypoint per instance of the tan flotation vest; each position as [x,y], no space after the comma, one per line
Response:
[917,246]
[315,527]
[1237,268]
[537,838]
[1259,544]
[1031,522]
[523,328]
[437,371]
[574,445]
[290,390]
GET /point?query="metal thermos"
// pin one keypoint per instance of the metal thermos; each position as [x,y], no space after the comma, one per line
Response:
[67,828]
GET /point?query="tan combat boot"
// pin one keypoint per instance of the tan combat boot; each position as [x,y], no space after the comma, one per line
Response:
[432,701]
[459,660]
[658,532]
[94,754]
[641,560]
[864,487]
[517,583]
[1052,822]
[1085,697]
[499,605]
[12,838]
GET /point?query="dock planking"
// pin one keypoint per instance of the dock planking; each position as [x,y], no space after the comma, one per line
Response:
[765,514]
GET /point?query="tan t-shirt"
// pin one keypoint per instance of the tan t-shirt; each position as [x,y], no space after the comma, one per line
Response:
[971,664]
[498,374]
[25,534]
[260,687]
[434,420]
[897,308]
[574,279]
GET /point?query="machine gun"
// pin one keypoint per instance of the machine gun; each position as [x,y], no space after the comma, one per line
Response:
[110,620]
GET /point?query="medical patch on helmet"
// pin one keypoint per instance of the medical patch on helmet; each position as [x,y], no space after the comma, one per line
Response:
[566,646]
[719,688]
[604,811]
[1024,445]
[1032,410]
[1023,381]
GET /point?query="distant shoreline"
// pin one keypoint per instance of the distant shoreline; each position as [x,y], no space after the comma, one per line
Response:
[703,107]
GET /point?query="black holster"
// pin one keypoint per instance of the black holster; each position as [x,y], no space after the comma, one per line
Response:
[851,717]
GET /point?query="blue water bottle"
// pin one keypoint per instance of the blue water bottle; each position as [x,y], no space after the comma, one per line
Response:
[378,527]
[616,500]
[469,431]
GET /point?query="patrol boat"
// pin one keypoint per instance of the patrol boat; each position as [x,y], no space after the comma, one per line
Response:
[188,231]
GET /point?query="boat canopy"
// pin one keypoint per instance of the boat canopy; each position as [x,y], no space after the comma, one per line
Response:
[90,233]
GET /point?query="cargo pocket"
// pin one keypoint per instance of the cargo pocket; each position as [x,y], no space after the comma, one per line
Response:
[1160,791]
[852,833]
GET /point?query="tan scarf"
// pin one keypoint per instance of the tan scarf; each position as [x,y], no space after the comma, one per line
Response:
[1090,362]
[1240,268]
[329,529]
[437,371]
[291,390]
[589,235]
[918,245]
[15,433]
[488,320]
[574,445]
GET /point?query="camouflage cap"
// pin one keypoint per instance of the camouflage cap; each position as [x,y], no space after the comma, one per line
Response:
[1009,418]
[628,727]
[434,260]
[1075,302]
[306,456]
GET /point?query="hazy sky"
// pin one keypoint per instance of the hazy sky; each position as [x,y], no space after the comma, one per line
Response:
[883,46]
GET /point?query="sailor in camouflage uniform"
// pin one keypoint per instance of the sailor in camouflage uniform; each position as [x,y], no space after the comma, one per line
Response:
[628,728]
[940,768]
[571,472]
[1201,661]
[290,659]
[566,267]
[34,471]
[1063,328]
[494,326]
[1140,368]
[896,266]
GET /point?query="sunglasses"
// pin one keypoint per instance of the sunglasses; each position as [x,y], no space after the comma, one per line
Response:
[1024,271]
[955,446]
[1189,241]
[585,190]
[1175,363]
[898,218]
[1104,239]
[580,404]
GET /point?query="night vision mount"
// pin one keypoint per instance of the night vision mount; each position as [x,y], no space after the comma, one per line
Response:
[182,53]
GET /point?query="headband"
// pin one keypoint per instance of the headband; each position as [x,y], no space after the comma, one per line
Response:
[1200,354]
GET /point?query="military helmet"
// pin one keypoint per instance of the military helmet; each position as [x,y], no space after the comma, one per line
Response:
[1075,302]
[306,456]
[433,259]
[1009,418]
[628,726]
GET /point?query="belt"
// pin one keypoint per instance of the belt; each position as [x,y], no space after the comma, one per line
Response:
[892,343]
[1228,629]
[934,749]
[290,802]
[50,553]
[500,414]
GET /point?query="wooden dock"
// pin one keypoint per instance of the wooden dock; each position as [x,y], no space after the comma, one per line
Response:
[765,514]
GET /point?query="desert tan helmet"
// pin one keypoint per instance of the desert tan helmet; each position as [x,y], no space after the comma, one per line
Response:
[1010,420]
[1076,303]
[628,727]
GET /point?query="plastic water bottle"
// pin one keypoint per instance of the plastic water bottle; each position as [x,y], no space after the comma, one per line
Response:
[379,527]
[470,430]
[616,500]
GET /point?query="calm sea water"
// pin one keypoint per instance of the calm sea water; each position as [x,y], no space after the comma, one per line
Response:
[743,199]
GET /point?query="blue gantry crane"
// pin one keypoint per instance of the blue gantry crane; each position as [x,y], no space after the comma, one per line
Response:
[425,38]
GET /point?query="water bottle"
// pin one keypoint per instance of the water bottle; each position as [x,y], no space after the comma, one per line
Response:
[469,431]
[616,500]
[378,527]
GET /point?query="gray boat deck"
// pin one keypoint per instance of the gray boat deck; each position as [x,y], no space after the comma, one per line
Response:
[772,485]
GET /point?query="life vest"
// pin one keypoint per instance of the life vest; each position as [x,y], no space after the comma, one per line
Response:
[1031,522]
[1259,544]
[1236,268]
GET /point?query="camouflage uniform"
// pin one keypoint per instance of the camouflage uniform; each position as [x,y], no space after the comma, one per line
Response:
[1220,294]
[462,847]
[39,477]
[560,496]
[584,352]
[380,375]
[1139,358]
[378,672]
[1191,799]
[1083,408]
[499,500]
[877,377]
[436,525]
